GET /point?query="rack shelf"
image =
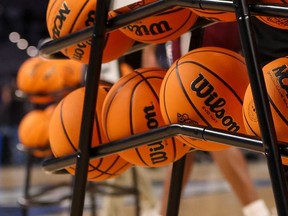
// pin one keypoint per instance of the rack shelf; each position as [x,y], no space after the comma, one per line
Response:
[267,145]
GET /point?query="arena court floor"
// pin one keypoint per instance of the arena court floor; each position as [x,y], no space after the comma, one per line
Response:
[207,193]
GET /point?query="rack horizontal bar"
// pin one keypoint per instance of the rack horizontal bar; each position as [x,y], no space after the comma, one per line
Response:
[53,165]
[53,46]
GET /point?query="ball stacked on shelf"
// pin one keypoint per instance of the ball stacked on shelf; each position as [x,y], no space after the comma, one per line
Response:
[64,132]
[161,27]
[45,81]
[132,107]
[205,87]
[275,74]
[67,16]
[33,132]
[275,21]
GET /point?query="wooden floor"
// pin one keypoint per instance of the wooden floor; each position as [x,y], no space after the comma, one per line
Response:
[207,193]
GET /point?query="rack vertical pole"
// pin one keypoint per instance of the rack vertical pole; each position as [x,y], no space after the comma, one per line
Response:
[178,168]
[262,106]
[90,98]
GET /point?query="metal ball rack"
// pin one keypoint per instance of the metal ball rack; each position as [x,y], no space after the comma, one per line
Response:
[267,145]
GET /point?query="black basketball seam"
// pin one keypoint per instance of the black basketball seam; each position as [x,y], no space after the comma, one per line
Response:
[109,103]
[278,111]
[74,22]
[207,49]
[52,5]
[164,84]
[64,128]
[109,175]
[249,126]
[76,18]
[98,126]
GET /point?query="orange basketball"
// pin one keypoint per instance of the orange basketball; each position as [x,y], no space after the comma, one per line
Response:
[131,107]
[49,110]
[284,160]
[64,132]
[71,71]
[275,73]
[37,75]
[205,87]
[64,17]
[276,22]
[162,27]
[46,80]
[33,129]
[214,15]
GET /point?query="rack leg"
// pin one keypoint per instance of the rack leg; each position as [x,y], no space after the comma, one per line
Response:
[90,98]
[135,186]
[262,106]
[27,182]
[176,187]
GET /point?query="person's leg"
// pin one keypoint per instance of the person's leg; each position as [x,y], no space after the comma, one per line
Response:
[234,168]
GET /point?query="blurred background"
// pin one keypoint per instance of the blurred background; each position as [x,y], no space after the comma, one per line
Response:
[22,26]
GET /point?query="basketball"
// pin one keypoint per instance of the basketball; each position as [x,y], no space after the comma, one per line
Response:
[33,129]
[38,75]
[49,110]
[276,22]
[25,74]
[64,133]
[205,87]
[72,72]
[162,27]
[65,17]
[274,73]
[284,160]
[214,15]
[133,102]
[47,80]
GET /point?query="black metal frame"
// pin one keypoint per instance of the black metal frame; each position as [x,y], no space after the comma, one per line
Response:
[267,145]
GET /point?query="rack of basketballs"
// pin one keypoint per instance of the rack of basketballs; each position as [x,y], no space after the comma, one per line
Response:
[99,131]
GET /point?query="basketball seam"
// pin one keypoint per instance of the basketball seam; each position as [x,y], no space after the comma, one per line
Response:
[278,111]
[207,49]
[76,18]
[50,9]
[249,126]
[64,129]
